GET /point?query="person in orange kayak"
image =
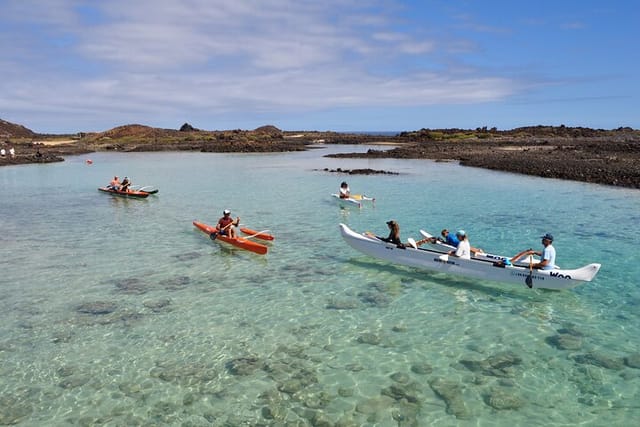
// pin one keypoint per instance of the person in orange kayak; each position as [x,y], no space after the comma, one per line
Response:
[226,225]
[124,186]
[114,184]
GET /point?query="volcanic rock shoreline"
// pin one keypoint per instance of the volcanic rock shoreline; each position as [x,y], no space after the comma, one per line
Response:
[608,162]
[610,157]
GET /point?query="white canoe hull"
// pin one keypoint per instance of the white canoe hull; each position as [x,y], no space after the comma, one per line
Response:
[428,259]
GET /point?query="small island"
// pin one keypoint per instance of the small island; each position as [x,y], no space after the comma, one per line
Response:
[610,157]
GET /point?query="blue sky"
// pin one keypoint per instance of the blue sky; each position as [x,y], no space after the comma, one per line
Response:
[377,65]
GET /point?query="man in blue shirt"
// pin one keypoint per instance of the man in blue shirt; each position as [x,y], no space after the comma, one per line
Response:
[449,238]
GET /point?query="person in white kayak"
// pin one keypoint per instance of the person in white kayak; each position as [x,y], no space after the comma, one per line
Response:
[345,191]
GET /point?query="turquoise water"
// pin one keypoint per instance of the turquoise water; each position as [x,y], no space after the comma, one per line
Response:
[119,312]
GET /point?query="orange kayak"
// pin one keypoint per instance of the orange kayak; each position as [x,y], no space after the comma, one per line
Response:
[239,242]
[257,234]
[130,193]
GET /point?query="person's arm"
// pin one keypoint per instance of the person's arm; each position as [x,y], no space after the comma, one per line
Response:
[455,251]
[522,254]
[237,223]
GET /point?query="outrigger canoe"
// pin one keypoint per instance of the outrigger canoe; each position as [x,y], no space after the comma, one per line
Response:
[239,242]
[130,193]
[428,259]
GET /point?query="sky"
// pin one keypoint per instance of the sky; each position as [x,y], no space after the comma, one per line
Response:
[71,66]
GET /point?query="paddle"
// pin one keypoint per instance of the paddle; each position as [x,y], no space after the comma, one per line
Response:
[529,279]
[415,244]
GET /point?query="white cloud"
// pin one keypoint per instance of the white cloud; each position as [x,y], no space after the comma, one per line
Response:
[133,58]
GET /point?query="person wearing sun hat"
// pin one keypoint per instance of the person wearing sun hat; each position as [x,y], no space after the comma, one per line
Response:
[226,225]
[547,254]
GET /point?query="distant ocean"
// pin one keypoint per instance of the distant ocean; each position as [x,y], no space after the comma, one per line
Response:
[119,312]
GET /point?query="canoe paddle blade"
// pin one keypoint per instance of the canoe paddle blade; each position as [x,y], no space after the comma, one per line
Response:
[213,236]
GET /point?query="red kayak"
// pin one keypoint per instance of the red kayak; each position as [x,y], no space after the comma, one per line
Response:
[257,234]
[239,242]
[130,193]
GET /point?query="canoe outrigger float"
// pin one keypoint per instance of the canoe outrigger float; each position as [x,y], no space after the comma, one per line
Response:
[262,235]
[130,193]
[239,242]
[146,188]
[428,259]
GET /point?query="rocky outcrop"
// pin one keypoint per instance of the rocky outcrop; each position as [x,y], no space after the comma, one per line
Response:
[12,130]
[187,128]
[610,157]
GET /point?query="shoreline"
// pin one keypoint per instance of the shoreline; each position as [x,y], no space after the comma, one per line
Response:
[609,160]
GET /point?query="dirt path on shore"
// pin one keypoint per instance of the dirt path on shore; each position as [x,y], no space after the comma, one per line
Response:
[53,143]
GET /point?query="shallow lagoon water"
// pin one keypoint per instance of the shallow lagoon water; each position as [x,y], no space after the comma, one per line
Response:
[119,312]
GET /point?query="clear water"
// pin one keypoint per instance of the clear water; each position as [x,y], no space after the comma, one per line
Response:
[119,312]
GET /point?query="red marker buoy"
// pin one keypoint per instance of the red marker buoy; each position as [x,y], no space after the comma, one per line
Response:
[89,161]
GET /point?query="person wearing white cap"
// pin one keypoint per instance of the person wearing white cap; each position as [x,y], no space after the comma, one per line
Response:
[464,247]
[226,225]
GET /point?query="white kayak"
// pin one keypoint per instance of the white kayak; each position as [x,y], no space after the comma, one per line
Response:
[355,200]
[442,247]
[432,260]
[347,202]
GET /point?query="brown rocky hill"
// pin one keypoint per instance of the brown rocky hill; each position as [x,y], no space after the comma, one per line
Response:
[269,130]
[12,130]
[135,137]
[129,131]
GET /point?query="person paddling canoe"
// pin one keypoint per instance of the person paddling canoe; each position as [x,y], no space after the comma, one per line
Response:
[226,225]
[125,184]
[394,234]
[114,184]
[547,254]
